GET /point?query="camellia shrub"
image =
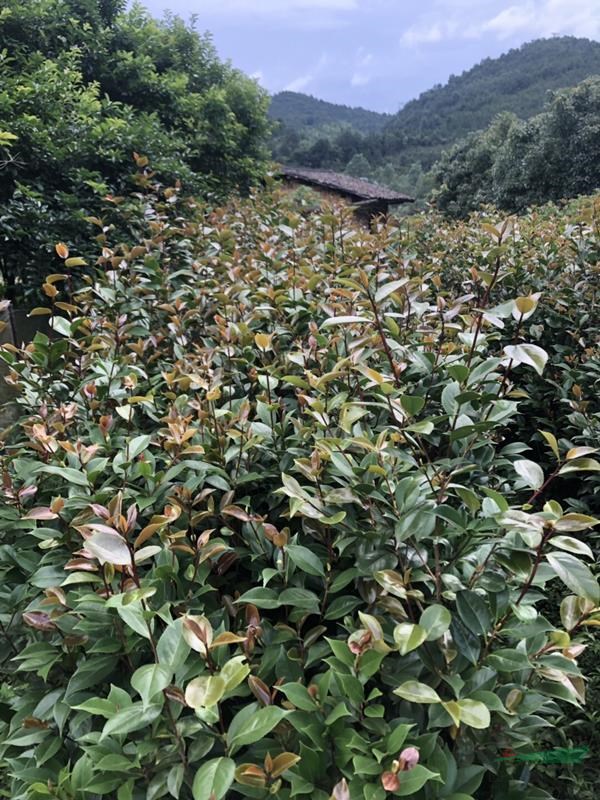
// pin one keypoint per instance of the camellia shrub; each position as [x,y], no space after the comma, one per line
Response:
[275,522]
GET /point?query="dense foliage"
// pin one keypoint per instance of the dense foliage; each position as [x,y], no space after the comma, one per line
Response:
[85,85]
[299,111]
[514,164]
[285,500]
[411,141]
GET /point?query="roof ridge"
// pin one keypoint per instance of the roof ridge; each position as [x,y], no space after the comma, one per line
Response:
[345,184]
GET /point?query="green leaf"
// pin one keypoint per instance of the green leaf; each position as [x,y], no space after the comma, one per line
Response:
[234,671]
[416,692]
[172,649]
[415,779]
[341,606]
[452,709]
[532,473]
[408,637]
[97,706]
[68,474]
[204,691]
[214,778]
[149,680]
[529,354]
[435,621]
[412,405]
[299,696]
[299,598]
[507,660]
[396,738]
[449,401]
[473,612]
[261,598]
[580,465]
[474,713]
[133,616]
[466,642]
[133,718]
[256,727]
[551,439]
[574,574]
[138,445]
[305,559]
[338,712]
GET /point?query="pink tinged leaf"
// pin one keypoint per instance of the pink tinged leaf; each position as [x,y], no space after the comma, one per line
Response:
[38,620]
[132,514]
[81,564]
[100,511]
[109,548]
[409,758]
[41,513]
[103,529]
[237,512]
[341,791]
[390,781]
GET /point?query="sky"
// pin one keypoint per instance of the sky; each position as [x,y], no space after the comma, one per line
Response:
[374,53]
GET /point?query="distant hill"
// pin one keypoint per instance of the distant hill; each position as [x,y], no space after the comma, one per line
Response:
[518,81]
[300,111]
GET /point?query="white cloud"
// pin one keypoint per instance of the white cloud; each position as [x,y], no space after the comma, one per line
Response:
[359,79]
[299,83]
[545,17]
[258,75]
[526,20]
[510,21]
[303,81]
[428,34]
[362,74]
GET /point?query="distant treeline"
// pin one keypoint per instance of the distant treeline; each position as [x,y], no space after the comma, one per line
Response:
[517,163]
[407,145]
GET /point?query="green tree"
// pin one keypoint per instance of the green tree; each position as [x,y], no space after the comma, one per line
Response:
[359,166]
[85,85]
[515,163]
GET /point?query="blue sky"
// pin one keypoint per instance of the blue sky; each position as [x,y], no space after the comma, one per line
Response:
[374,53]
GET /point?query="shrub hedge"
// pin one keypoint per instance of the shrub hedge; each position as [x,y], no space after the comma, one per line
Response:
[285,500]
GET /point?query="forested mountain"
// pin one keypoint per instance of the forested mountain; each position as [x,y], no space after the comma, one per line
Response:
[516,163]
[518,81]
[302,111]
[411,141]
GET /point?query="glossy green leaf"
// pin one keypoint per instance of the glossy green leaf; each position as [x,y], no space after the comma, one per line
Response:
[213,780]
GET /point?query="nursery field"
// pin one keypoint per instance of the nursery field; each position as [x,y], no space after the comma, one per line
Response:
[293,509]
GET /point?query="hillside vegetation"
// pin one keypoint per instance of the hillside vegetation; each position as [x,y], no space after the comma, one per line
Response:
[300,111]
[519,82]
[296,509]
[516,163]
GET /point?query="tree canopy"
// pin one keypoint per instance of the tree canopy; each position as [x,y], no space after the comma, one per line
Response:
[517,163]
[85,85]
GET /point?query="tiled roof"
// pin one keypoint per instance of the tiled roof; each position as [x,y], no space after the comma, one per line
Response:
[345,184]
